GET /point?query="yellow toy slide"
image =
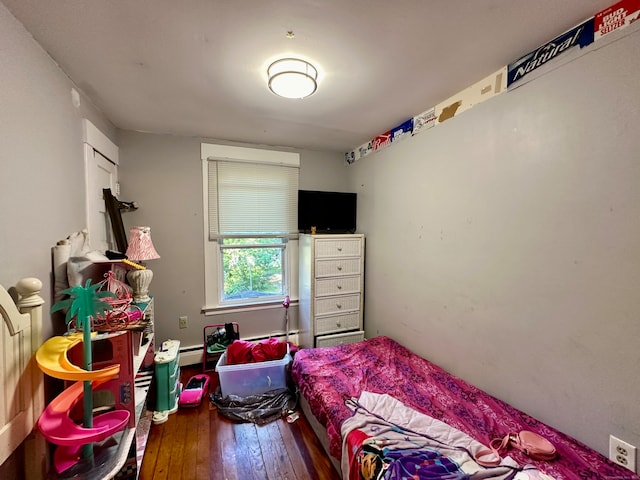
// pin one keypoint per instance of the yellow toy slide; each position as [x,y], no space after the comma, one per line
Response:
[54,423]
[52,360]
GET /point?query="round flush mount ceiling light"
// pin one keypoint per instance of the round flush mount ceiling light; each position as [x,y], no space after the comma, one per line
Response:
[292,78]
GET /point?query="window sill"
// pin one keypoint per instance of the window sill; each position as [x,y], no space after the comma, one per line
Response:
[225,309]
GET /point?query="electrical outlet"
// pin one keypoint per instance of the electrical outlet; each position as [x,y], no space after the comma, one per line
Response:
[182,321]
[622,453]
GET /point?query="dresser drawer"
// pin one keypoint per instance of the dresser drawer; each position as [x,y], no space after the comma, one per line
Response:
[338,247]
[340,339]
[174,369]
[338,304]
[168,371]
[337,323]
[173,397]
[337,286]
[331,268]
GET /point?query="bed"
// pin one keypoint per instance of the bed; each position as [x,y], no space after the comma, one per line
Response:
[381,369]
[22,399]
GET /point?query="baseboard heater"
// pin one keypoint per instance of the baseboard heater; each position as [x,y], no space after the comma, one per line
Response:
[193,355]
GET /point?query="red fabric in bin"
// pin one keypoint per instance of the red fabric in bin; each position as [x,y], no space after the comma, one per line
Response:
[239,352]
[270,349]
[242,351]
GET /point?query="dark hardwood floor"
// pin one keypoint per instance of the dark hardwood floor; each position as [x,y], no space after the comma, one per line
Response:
[200,444]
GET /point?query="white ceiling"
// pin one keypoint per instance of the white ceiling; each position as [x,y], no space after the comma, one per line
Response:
[198,67]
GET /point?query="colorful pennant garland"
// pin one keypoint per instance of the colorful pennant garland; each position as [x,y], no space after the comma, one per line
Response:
[613,18]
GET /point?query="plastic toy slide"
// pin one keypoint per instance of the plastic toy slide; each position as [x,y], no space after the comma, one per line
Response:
[52,360]
[56,426]
[54,422]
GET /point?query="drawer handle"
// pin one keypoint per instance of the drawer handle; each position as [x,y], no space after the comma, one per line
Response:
[338,324]
[339,287]
[339,249]
[339,268]
[338,305]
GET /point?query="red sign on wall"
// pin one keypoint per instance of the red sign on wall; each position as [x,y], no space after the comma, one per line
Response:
[615,17]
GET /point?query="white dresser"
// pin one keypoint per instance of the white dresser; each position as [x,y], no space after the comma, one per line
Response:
[331,289]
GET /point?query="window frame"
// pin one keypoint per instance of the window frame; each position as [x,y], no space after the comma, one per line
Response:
[214,274]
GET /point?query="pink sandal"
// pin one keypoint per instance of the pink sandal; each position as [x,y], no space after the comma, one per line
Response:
[530,443]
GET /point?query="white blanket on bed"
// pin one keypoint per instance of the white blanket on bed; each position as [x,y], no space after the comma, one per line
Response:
[390,425]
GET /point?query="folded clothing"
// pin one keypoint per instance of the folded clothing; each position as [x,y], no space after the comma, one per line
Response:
[243,351]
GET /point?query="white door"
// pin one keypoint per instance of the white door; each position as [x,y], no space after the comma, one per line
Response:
[100,172]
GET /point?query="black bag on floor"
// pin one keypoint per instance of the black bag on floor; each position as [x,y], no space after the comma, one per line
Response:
[259,409]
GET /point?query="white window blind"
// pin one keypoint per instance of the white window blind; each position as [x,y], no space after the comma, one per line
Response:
[250,198]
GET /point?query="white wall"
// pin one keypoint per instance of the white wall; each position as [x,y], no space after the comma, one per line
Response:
[41,167]
[41,158]
[163,174]
[503,244]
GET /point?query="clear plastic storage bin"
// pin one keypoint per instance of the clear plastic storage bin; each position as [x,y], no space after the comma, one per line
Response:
[249,379]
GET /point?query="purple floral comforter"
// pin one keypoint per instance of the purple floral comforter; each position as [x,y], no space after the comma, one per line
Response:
[327,377]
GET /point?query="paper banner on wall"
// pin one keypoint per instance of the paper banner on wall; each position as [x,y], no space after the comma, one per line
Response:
[381,141]
[365,149]
[424,120]
[581,35]
[362,151]
[350,157]
[485,89]
[403,130]
[615,17]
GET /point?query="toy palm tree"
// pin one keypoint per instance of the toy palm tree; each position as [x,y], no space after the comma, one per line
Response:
[84,303]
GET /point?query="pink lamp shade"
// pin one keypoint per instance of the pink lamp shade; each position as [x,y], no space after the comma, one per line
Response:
[140,249]
[140,246]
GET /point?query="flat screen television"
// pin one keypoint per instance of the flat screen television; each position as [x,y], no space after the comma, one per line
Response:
[329,212]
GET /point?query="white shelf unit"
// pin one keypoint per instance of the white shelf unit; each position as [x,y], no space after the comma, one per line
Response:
[130,461]
[122,459]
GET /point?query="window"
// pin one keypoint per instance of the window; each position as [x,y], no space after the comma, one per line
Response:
[253,268]
[250,225]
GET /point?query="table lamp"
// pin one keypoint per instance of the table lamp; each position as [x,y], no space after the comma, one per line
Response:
[140,250]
